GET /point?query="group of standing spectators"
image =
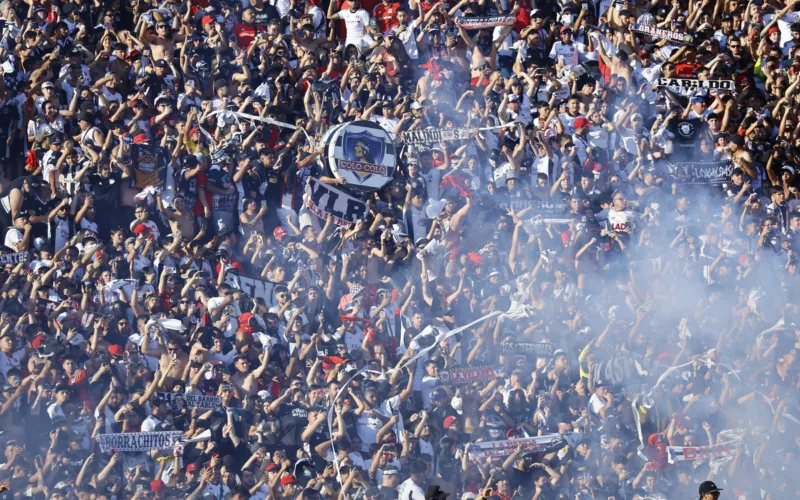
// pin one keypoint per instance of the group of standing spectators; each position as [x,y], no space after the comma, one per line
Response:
[618,237]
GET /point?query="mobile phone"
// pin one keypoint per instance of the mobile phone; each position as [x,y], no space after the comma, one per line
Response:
[584,6]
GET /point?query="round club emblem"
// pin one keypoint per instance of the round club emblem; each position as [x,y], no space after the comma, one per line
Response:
[361,153]
[686,129]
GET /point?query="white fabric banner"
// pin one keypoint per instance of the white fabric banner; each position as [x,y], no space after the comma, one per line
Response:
[139,441]
[506,447]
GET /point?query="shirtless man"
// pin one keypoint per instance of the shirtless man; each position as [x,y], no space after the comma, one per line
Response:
[162,43]
[244,378]
[181,220]
[172,360]
[618,63]
[483,49]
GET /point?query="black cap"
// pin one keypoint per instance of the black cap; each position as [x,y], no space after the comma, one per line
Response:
[708,487]
[243,155]
[162,63]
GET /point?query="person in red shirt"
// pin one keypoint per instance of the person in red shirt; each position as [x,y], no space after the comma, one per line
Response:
[426,5]
[386,14]
[246,31]
[688,66]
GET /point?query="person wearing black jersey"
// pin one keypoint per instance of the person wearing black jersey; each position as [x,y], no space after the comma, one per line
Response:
[263,13]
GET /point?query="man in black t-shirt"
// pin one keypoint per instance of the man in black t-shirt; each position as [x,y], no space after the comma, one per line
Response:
[294,418]
[106,184]
[263,13]
[9,117]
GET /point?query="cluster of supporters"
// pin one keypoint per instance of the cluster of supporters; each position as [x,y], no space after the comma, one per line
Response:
[614,222]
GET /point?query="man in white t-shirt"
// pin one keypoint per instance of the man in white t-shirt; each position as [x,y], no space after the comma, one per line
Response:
[406,33]
[429,382]
[355,19]
[570,50]
[383,116]
[410,488]
[18,236]
[599,401]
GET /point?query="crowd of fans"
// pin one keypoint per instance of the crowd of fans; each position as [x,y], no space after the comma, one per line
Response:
[622,250]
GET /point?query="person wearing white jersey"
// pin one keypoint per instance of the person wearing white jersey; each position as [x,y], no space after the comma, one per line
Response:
[355,19]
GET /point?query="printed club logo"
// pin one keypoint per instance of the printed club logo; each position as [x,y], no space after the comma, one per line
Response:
[686,129]
[361,153]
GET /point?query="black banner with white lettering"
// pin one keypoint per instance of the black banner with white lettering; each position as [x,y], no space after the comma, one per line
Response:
[13,258]
[254,287]
[663,34]
[178,401]
[326,200]
[691,83]
[139,441]
[468,375]
[434,135]
[625,368]
[540,349]
[483,22]
[538,207]
[701,172]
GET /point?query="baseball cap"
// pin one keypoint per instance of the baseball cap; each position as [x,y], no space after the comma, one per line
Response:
[140,138]
[582,122]
[192,468]
[280,232]
[373,23]
[438,394]
[48,85]
[708,487]
[565,29]
[772,30]
[449,421]
[287,479]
